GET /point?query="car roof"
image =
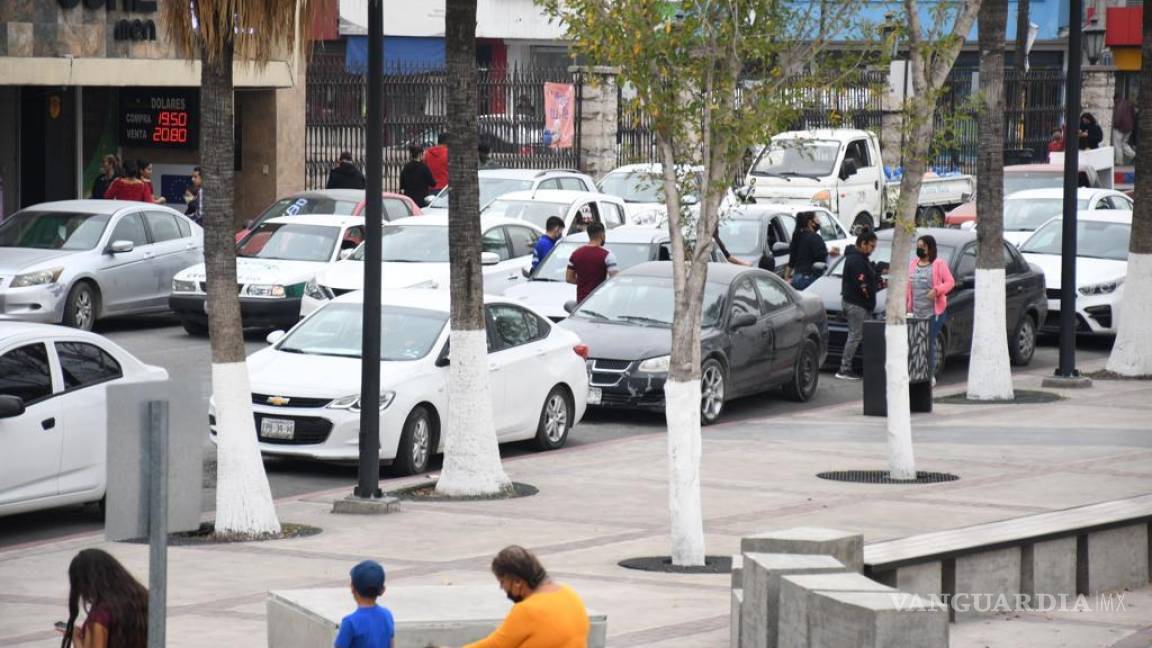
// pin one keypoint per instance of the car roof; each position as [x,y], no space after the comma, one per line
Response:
[93,206]
[423,298]
[759,210]
[566,196]
[526,174]
[1103,216]
[724,273]
[319,219]
[11,329]
[650,167]
[441,220]
[943,235]
[1058,192]
[626,234]
[823,134]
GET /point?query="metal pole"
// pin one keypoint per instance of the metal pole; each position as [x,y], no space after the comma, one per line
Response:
[1067,365]
[157,522]
[369,482]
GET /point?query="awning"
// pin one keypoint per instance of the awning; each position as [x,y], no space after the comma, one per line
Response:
[401,53]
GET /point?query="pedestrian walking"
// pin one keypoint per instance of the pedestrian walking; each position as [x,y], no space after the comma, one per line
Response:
[1123,122]
[371,625]
[858,288]
[345,175]
[194,197]
[130,185]
[929,282]
[436,158]
[544,614]
[115,604]
[554,229]
[806,249]
[591,264]
[109,171]
[1090,132]
[416,179]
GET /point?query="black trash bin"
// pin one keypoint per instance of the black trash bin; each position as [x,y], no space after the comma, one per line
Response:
[876,378]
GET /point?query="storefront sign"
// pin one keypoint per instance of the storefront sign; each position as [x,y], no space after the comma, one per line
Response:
[162,118]
[135,29]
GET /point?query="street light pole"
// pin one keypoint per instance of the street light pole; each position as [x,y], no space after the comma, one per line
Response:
[1067,366]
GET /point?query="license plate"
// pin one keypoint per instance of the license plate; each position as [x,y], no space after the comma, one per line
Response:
[593,395]
[272,428]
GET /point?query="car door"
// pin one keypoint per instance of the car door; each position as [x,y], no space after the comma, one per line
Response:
[514,363]
[962,301]
[522,240]
[750,356]
[499,276]
[30,442]
[860,192]
[170,251]
[580,214]
[1015,286]
[786,319]
[85,371]
[123,277]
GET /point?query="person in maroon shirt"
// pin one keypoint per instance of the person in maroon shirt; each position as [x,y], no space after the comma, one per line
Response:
[115,604]
[591,264]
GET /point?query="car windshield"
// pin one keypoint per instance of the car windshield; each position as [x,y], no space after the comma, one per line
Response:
[1094,239]
[295,206]
[1021,180]
[1028,214]
[490,189]
[647,301]
[411,244]
[53,230]
[290,242]
[337,330]
[536,212]
[641,186]
[811,158]
[743,236]
[556,263]
[883,254]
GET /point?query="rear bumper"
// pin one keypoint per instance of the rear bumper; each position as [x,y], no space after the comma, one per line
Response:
[255,313]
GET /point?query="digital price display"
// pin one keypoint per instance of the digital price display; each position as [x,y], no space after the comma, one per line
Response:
[161,118]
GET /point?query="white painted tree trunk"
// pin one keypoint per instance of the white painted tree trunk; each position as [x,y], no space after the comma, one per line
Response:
[682,412]
[1132,351]
[901,459]
[990,366]
[243,498]
[471,451]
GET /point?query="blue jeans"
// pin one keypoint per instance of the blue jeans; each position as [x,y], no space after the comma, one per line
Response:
[802,281]
[936,323]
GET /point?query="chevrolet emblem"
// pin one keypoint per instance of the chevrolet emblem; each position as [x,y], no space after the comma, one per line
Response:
[278,401]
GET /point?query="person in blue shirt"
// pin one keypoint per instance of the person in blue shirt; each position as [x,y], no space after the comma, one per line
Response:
[554,229]
[370,626]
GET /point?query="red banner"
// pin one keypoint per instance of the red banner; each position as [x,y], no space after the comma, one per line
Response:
[559,114]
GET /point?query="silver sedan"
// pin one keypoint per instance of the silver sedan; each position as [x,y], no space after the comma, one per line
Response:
[76,261]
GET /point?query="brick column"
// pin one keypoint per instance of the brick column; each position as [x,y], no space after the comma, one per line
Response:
[1096,96]
[892,115]
[599,118]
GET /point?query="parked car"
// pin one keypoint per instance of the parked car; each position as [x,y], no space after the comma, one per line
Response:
[497,182]
[760,234]
[1026,303]
[415,255]
[342,202]
[757,333]
[1101,266]
[576,208]
[273,264]
[306,385]
[1025,211]
[641,187]
[77,261]
[53,413]
[547,291]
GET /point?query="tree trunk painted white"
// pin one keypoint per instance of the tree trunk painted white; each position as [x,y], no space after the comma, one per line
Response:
[243,497]
[901,459]
[1132,351]
[990,367]
[682,412]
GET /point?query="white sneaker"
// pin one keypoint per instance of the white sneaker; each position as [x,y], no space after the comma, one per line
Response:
[933,381]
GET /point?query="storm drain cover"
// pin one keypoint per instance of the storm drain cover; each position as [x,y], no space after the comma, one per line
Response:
[884,477]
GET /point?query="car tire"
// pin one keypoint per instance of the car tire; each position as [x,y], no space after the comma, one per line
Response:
[713,388]
[805,373]
[417,443]
[930,217]
[941,353]
[192,327]
[1022,346]
[82,306]
[555,420]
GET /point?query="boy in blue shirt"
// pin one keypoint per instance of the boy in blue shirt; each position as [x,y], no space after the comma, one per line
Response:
[370,626]
[553,230]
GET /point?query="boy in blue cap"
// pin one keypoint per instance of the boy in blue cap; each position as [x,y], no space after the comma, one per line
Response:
[370,626]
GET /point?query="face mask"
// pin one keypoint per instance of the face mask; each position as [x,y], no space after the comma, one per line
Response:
[921,253]
[512,597]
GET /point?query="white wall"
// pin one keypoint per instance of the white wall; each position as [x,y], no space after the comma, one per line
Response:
[494,19]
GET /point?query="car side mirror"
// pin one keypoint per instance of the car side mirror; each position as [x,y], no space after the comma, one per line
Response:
[847,169]
[819,267]
[570,306]
[428,200]
[11,406]
[780,248]
[489,258]
[444,359]
[120,247]
[743,320]
[526,271]
[968,282]
[275,336]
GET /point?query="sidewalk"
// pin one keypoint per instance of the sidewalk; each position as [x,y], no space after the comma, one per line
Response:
[601,503]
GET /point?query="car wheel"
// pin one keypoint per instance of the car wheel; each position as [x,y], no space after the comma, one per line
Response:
[192,327]
[805,374]
[931,217]
[555,420]
[417,443]
[1023,344]
[82,307]
[941,353]
[712,390]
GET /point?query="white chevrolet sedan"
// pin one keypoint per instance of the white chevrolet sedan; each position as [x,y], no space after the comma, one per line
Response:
[305,386]
[53,413]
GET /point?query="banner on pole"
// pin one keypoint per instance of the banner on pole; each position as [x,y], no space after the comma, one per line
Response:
[559,114]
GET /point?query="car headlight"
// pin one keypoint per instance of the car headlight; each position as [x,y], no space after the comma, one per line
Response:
[352,402]
[183,286]
[655,365]
[822,198]
[264,290]
[1105,288]
[314,290]
[37,278]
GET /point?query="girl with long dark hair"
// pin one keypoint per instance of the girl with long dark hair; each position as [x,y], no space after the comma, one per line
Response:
[115,604]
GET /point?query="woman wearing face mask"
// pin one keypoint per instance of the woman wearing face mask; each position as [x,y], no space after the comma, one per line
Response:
[929,282]
[806,248]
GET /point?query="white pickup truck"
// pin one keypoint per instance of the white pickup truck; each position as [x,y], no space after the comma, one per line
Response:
[842,170]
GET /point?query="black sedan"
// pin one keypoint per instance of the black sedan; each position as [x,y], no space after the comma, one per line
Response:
[1026,307]
[757,334]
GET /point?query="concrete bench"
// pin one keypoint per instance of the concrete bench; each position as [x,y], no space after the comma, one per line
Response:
[875,620]
[429,615]
[760,594]
[797,595]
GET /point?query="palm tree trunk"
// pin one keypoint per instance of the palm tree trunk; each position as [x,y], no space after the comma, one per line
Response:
[243,498]
[1132,352]
[989,370]
[471,452]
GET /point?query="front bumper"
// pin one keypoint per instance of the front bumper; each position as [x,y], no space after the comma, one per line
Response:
[1095,315]
[43,303]
[622,386]
[254,312]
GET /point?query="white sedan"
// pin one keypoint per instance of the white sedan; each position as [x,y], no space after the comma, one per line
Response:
[53,413]
[305,386]
[1101,265]
[1025,211]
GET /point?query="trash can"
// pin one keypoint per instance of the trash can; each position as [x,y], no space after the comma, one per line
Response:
[876,377]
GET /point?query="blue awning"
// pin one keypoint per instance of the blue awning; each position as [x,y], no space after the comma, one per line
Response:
[401,53]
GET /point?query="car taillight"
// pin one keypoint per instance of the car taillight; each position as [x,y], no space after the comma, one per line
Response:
[581,350]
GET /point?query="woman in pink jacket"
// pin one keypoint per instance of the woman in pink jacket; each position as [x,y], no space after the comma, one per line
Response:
[929,282]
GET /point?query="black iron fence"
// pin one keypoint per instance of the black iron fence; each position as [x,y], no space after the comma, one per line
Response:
[511,108]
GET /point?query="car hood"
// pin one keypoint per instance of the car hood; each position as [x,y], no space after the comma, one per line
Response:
[827,290]
[1088,271]
[645,213]
[349,275]
[961,214]
[548,297]
[612,341]
[278,373]
[14,260]
[262,271]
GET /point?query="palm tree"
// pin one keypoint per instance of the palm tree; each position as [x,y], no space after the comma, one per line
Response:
[471,452]
[218,32]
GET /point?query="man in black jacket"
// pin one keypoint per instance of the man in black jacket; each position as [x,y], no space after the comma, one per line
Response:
[416,179]
[345,175]
[858,289]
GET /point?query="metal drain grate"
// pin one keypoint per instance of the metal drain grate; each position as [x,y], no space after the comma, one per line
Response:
[883,477]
